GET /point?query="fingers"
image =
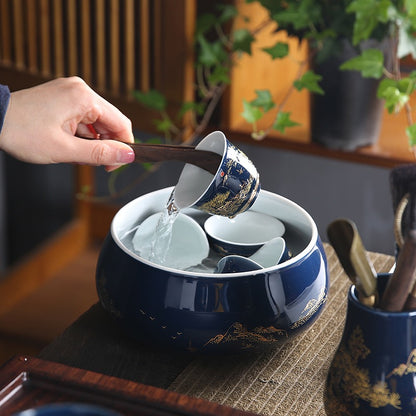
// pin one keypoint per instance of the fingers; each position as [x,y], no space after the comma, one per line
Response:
[110,153]
[87,131]
[101,116]
[42,124]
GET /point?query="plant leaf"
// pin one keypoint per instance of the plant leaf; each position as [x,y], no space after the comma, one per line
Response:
[395,93]
[309,80]
[411,134]
[264,100]
[199,108]
[204,23]
[410,6]
[210,53]
[251,113]
[283,121]
[163,125]
[279,50]
[394,99]
[368,13]
[220,74]
[301,14]
[228,12]
[242,40]
[152,99]
[370,63]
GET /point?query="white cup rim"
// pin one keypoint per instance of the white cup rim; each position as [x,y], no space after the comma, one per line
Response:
[188,192]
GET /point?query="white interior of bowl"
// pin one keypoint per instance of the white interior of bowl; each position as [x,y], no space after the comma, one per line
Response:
[250,227]
[297,222]
[194,181]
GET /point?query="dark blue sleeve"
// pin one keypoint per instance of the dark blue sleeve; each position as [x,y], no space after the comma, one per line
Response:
[4,102]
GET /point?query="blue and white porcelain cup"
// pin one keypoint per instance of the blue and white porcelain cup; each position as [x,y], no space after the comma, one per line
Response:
[373,372]
[231,191]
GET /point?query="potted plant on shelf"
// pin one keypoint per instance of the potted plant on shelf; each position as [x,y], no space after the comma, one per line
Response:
[359,40]
[355,50]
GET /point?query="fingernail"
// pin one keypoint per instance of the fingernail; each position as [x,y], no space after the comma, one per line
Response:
[125,156]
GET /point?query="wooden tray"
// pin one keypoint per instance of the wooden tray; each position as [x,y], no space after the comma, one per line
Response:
[27,382]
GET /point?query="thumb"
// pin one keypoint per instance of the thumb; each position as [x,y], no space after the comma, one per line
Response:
[103,152]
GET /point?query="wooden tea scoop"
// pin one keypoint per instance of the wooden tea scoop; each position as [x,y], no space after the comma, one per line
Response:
[410,304]
[401,283]
[346,241]
[204,159]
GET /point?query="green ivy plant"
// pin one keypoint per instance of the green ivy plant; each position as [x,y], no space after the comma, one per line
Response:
[216,52]
[323,23]
[395,88]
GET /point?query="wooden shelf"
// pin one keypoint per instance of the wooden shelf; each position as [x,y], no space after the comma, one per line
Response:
[392,148]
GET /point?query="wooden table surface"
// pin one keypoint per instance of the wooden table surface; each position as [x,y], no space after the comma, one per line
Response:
[274,382]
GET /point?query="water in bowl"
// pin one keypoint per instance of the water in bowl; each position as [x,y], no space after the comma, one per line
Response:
[162,237]
[156,246]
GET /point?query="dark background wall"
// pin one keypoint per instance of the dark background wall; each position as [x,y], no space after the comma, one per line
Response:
[36,201]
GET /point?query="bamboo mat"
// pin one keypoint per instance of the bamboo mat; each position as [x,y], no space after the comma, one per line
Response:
[288,379]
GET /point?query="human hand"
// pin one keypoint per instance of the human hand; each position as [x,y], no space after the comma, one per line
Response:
[51,123]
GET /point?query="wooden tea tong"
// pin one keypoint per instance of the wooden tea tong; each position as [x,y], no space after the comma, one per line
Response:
[398,293]
[145,152]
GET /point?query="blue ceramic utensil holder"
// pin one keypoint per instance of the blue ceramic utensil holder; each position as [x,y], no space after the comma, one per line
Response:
[373,371]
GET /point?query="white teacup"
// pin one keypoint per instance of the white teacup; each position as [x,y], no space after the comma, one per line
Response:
[244,234]
[271,253]
[188,242]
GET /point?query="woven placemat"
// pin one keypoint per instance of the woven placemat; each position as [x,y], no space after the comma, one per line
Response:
[288,379]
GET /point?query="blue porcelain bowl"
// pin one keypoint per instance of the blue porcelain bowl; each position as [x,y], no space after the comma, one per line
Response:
[206,311]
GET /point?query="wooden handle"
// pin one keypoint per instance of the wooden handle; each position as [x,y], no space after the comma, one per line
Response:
[410,304]
[206,160]
[403,279]
[345,239]
[366,275]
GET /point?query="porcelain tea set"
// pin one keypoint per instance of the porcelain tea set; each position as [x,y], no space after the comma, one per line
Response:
[256,294]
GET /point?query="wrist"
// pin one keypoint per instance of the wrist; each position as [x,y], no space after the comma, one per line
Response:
[4,103]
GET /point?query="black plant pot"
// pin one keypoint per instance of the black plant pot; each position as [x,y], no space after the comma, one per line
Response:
[349,114]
